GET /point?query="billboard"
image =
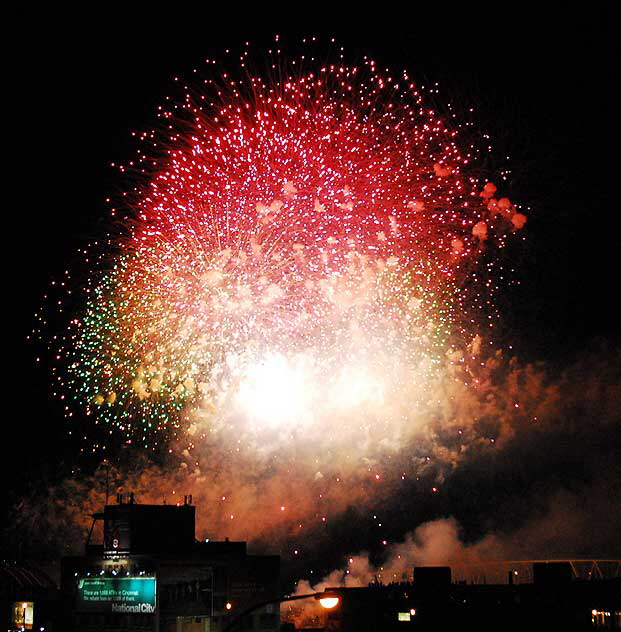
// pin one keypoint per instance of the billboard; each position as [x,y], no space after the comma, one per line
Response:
[127,595]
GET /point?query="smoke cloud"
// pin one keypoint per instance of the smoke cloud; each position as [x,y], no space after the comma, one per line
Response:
[506,461]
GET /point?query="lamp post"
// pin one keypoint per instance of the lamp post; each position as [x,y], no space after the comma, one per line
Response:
[327,599]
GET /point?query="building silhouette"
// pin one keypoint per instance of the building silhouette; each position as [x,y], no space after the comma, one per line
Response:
[554,600]
[150,574]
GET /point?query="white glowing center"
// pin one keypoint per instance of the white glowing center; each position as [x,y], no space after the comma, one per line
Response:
[276,391]
[298,390]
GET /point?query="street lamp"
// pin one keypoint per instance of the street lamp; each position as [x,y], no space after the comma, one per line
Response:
[327,599]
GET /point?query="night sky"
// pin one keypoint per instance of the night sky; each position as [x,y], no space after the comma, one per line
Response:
[541,85]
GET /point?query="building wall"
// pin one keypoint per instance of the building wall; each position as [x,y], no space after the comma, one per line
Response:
[199,586]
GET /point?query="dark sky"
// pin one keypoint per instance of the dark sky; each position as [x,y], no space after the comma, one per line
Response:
[542,84]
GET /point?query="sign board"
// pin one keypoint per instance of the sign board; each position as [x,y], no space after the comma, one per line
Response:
[117,532]
[126,595]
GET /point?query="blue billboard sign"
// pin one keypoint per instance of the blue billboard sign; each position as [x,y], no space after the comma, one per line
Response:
[126,595]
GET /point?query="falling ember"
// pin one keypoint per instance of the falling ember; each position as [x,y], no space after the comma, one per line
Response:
[301,253]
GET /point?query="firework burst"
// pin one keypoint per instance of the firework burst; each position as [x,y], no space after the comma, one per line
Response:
[300,254]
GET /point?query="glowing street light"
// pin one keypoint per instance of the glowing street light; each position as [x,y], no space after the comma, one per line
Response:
[327,600]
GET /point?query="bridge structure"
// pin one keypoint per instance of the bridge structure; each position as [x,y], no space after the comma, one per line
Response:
[521,571]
